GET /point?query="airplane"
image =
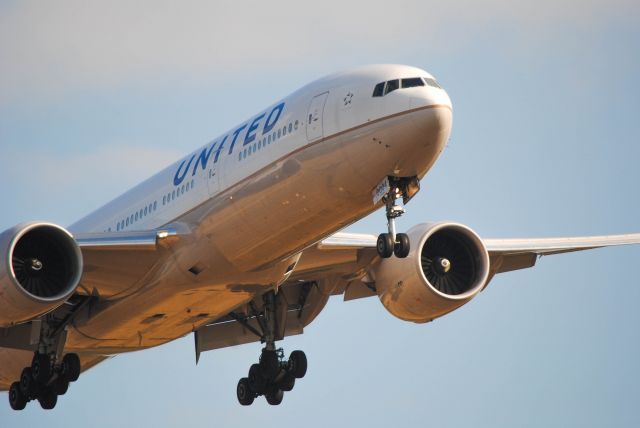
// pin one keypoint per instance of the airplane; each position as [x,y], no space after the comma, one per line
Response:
[240,242]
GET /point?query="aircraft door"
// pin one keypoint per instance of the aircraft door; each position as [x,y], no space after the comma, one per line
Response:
[314,116]
[213,178]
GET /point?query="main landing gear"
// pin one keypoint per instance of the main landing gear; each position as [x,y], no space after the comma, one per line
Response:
[50,372]
[395,188]
[44,381]
[273,375]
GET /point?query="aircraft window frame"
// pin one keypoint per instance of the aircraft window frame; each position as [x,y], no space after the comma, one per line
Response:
[378,90]
[284,130]
[279,133]
[295,126]
[430,81]
[173,195]
[145,211]
[155,205]
[290,127]
[388,88]
[411,82]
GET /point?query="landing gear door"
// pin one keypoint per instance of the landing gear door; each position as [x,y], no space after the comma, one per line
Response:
[314,116]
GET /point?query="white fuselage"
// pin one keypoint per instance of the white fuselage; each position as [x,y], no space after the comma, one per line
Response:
[255,197]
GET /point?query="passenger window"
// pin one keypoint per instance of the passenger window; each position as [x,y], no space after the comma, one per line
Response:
[412,82]
[290,127]
[155,205]
[378,91]
[279,133]
[284,131]
[127,221]
[136,216]
[164,199]
[295,125]
[145,211]
[182,190]
[392,85]
[173,195]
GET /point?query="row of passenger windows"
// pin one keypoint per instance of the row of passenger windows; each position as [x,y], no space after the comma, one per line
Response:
[265,141]
[383,88]
[153,206]
[138,215]
[177,192]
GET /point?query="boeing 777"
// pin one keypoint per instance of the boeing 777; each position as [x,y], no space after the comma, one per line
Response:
[239,241]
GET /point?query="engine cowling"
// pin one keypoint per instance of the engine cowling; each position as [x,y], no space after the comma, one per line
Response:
[41,268]
[447,266]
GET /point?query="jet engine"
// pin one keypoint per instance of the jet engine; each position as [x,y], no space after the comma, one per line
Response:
[41,267]
[446,267]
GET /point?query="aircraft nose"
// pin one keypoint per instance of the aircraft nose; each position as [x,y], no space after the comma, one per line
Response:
[433,95]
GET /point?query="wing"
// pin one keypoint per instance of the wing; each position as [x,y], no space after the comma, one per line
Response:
[117,262]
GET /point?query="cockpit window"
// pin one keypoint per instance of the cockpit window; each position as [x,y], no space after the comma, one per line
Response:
[392,85]
[383,88]
[432,82]
[378,91]
[412,82]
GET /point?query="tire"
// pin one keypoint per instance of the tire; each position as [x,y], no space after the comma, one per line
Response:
[269,364]
[287,383]
[28,384]
[402,247]
[297,364]
[48,399]
[71,367]
[257,382]
[385,245]
[60,386]
[243,392]
[274,397]
[17,400]
[41,368]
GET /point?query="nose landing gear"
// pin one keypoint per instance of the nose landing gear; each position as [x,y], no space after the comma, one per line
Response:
[394,188]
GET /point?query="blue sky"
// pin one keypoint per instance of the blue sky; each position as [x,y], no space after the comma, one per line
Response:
[95,97]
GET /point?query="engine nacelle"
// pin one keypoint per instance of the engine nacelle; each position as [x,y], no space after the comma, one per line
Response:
[41,267]
[447,266]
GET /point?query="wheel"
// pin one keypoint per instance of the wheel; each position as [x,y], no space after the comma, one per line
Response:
[41,368]
[269,364]
[287,383]
[297,364]
[245,396]
[71,367]
[28,384]
[257,382]
[48,399]
[17,400]
[402,247]
[274,397]
[385,245]
[60,386]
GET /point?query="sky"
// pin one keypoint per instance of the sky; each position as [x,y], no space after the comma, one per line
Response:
[97,96]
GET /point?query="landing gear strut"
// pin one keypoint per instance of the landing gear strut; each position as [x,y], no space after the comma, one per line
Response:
[392,243]
[49,374]
[273,375]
